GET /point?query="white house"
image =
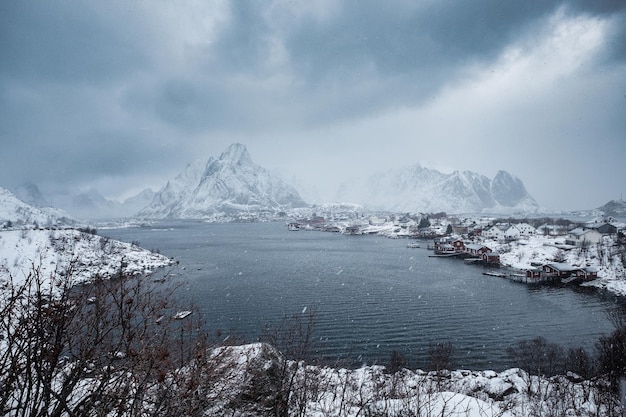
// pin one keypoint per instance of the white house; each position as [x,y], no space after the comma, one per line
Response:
[526,230]
[502,231]
[512,232]
[579,236]
[376,221]
[493,232]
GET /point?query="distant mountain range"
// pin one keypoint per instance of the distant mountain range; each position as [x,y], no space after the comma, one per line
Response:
[89,204]
[419,189]
[233,186]
[229,185]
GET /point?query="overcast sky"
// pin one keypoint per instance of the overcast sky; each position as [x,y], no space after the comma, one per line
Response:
[121,95]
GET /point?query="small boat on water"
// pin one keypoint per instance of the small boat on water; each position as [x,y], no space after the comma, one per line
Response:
[182,314]
[495,274]
[293,226]
[413,245]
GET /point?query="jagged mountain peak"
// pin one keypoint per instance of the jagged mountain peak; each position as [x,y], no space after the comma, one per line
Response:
[236,154]
[419,189]
[507,189]
[230,184]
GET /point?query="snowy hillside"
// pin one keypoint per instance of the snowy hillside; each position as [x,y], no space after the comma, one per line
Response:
[15,211]
[54,251]
[614,208]
[419,189]
[230,184]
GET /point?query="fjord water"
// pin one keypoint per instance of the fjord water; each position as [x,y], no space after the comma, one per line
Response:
[370,295]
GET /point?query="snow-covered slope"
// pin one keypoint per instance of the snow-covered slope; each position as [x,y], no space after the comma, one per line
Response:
[250,378]
[17,212]
[230,184]
[419,189]
[54,251]
[614,208]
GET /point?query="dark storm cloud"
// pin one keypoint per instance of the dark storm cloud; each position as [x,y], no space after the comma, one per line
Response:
[112,89]
[416,36]
[70,41]
[363,57]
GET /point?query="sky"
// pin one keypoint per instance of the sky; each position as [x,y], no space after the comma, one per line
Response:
[120,95]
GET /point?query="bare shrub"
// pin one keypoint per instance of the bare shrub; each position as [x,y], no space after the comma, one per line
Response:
[612,357]
[538,356]
[106,348]
[441,356]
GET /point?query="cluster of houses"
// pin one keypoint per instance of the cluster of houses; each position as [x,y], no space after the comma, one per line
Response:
[477,233]
[561,271]
[474,252]
[482,254]
[580,237]
[504,232]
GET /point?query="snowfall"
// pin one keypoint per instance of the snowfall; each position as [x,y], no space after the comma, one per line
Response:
[330,391]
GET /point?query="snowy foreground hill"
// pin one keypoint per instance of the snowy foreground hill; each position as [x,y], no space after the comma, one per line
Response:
[259,371]
[246,380]
[56,251]
[14,210]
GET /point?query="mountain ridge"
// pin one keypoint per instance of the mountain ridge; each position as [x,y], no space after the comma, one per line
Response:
[229,184]
[415,188]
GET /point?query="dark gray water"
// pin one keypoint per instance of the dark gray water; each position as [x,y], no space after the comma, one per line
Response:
[371,295]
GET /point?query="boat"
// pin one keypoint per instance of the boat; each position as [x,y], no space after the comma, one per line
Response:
[495,274]
[413,245]
[293,226]
[182,314]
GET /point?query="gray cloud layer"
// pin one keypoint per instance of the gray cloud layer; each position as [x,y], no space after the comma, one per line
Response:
[118,94]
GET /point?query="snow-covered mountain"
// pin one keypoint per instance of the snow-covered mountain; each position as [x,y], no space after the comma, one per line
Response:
[137,202]
[17,212]
[229,185]
[418,189]
[30,194]
[92,205]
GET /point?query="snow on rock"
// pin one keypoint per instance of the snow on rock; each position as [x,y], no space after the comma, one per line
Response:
[255,379]
[230,184]
[13,210]
[55,251]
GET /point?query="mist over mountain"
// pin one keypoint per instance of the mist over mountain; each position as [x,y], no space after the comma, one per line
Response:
[231,184]
[17,212]
[91,205]
[418,189]
[30,194]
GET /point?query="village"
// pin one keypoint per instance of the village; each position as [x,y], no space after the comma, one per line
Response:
[533,251]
